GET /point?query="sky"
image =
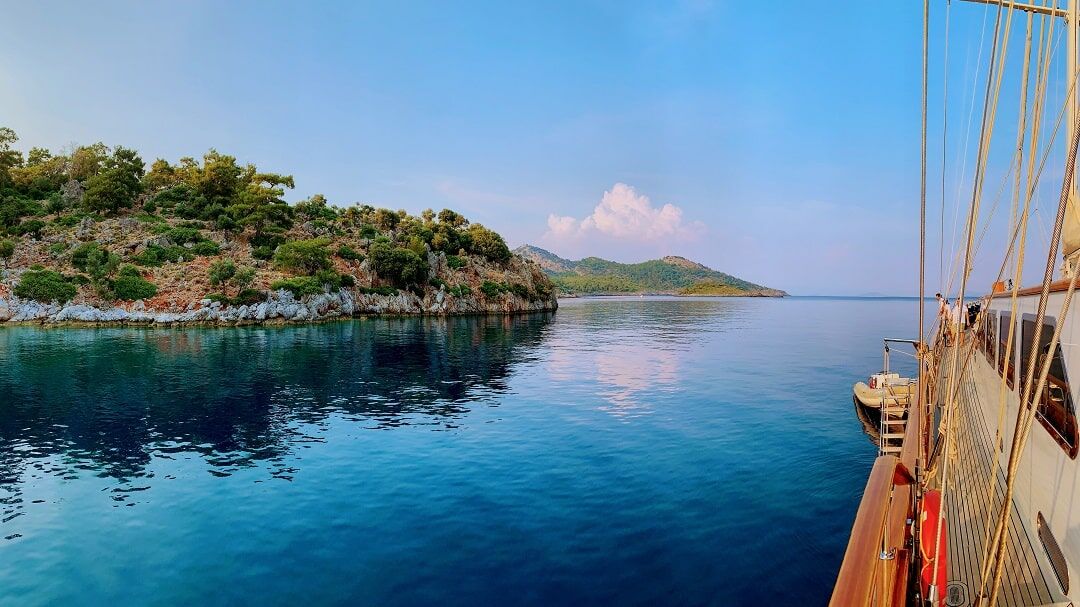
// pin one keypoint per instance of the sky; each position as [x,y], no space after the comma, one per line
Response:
[776,141]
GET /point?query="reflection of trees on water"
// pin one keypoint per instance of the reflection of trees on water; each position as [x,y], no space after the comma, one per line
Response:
[111,400]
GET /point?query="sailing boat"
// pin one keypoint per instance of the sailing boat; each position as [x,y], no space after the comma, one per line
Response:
[980,505]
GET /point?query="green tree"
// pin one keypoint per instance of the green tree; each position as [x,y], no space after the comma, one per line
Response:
[315,207]
[452,218]
[397,264]
[96,261]
[488,243]
[87,161]
[303,256]
[244,278]
[221,271]
[160,176]
[41,174]
[218,180]
[260,204]
[385,219]
[9,157]
[117,185]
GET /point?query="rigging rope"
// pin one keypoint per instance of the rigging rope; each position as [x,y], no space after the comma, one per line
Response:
[1018,223]
[990,98]
[954,264]
[922,191]
[944,142]
[961,152]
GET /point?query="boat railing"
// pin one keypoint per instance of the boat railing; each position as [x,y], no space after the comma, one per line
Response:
[880,550]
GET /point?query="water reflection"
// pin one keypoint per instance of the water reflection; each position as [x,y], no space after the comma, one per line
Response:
[112,400]
[609,456]
[634,347]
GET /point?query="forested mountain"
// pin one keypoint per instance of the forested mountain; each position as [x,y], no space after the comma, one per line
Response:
[671,275]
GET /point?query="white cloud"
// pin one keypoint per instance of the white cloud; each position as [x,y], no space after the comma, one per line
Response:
[623,214]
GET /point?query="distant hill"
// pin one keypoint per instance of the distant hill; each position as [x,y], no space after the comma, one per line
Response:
[668,275]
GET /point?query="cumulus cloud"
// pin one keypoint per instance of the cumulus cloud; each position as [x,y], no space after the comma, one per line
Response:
[624,214]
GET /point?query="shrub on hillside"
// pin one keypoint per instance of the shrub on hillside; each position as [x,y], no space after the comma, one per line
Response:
[543,290]
[45,286]
[205,248]
[130,285]
[247,297]
[299,286]
[31,226]
[95,260]
[154,255]
[329,279]
[378,290]
[183,234]
[263,252]
[7,250]
[347,252]
[460,290]
[493,289]
[303,256]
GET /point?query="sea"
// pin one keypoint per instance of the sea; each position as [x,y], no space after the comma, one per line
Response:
[619,451]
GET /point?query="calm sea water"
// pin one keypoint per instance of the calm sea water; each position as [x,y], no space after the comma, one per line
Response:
[618,452]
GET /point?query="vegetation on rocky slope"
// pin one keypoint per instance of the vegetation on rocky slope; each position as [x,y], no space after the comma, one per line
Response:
[95,226]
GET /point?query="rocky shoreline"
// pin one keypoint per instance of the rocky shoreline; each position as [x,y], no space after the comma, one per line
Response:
[280,307]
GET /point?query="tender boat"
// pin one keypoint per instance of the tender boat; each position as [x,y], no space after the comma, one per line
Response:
[888,389]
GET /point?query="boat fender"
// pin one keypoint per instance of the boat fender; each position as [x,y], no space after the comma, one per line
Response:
[935,565]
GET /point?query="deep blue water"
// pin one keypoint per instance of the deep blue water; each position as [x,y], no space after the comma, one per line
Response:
[617,452]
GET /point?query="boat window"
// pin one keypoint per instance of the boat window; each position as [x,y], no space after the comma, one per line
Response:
[1027,334]
[1056,412]
[989,340]
[979,333]
[1005,367]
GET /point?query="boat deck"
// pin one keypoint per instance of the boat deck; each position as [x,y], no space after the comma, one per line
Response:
[970,508]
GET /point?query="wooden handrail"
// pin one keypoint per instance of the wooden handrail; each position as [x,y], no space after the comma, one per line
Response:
[867,576]
[863,568]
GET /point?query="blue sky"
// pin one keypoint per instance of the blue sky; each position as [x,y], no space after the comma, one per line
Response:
[784,135]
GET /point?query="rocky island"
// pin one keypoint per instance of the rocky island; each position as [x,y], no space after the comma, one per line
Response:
[670,275]
[93,236]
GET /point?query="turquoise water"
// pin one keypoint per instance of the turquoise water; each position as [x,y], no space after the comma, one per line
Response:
[617,452]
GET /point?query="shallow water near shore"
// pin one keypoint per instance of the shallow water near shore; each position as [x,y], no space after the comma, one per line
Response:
[622,451]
